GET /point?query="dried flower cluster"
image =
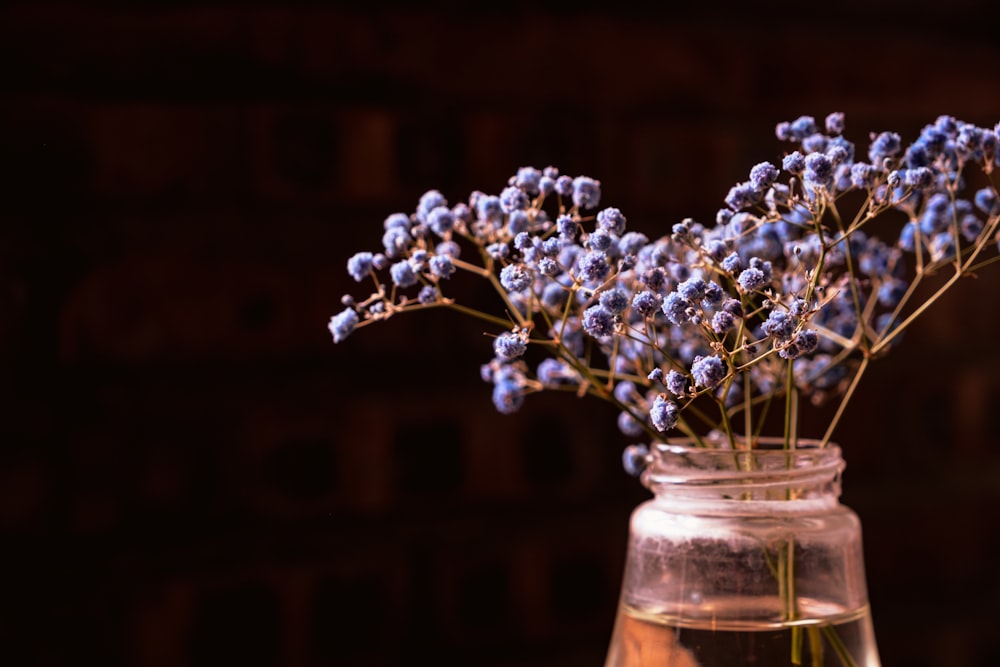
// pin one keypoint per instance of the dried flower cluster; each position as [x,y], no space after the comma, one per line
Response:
[789,293]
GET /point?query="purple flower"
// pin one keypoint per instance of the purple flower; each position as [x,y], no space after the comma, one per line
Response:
[794,163]
[819,170]
[692,289]
[509,345]
[441,220]
[527,178]
[986,201]
[835,123]
[360,265]
[663,414]
[513,199]
[741,196]
[615,300]
[515,277]
[598,321]
[507,396]
[732,263]
[402,274]
[708,371]
[635,458]
[862,175]
[646,303]
[628,425]
[441,266]
[428,294]
[342,324]
[723,321]
[779,325]
[488,208]
[429,201]
[885,145]
[395,241]
[611,220]
[751,279]
[600,240]
[675,307]
[586,192]
[763,175]
[593,266]
[677,383]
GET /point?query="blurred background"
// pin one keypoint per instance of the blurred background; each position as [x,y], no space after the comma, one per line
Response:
[191,473]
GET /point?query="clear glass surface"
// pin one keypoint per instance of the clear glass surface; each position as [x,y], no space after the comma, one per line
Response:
[744,557]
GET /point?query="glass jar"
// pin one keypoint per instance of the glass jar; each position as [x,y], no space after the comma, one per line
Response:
[743,557]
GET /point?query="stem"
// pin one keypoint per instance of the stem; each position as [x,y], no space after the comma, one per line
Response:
[815,645]
[843,402]
[838,646]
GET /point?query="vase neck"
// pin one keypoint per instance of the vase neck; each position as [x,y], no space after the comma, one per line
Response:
[806,478]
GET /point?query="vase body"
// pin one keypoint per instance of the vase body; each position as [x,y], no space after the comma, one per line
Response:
[743,557]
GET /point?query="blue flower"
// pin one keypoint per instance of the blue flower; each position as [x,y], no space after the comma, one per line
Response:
[675,307]
[360,265]
[554,372]
[794,163]
[527,178]
[862,175]
[397,220]
[586,192]
[342,324]
[517,222]
[396,241]
[598,321]
[663,414]
[488,207]
[751,279]
[713,294]
[625,391]
[646,303]
[635,458]
[513,199]
[677,383]
[515,277]
[692,289]
[835,123]
[429,201]
[780,325]
[568,228]
[615,300]
[732,263]
[986,201]
[593,266]
[564,186]
[885,145]
[441,220]
[741,196]
[708,371]
[441,266]
[723,321]
[819,170]
[402,274]
[507,396]
[600,240]
[428,294]
[628,425]
[612,221]
[632,242]
[509,345]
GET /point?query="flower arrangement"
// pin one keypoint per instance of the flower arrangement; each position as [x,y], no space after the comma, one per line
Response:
[810,271]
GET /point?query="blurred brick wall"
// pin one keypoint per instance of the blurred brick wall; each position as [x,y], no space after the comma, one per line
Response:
[193,474]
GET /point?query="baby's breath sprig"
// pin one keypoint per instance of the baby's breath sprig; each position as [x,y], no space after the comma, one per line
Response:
[788,295]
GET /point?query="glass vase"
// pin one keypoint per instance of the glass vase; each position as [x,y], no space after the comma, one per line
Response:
[743,557]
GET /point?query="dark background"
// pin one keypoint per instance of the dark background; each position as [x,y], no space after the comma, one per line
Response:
[193,474]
